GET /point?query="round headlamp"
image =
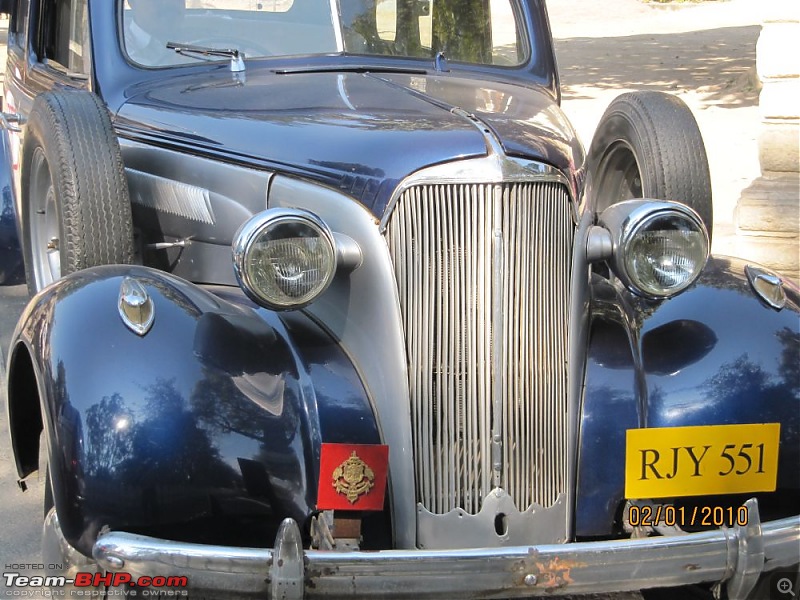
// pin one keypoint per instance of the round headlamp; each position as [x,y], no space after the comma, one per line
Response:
[284,258]
[664,253]
[658,248]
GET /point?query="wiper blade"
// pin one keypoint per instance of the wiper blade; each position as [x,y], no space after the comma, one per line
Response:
[236,56]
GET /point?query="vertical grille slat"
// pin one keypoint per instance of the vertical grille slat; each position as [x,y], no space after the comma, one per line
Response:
[442,241]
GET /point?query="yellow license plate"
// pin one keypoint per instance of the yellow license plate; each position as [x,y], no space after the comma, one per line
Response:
[697,461]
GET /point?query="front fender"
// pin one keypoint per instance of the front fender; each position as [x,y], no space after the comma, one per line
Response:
[206,429]
[713,355]
[12,271]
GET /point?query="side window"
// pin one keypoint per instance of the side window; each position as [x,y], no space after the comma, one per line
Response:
[63,35]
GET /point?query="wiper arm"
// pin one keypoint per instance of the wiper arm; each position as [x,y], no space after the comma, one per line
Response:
[236,56]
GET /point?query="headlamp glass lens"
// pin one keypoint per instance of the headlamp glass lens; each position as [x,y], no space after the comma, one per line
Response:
[289,263]
[666,254]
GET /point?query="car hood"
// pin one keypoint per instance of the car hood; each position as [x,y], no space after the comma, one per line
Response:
[361,133]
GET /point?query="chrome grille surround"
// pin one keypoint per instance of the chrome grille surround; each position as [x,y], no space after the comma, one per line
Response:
[481,268]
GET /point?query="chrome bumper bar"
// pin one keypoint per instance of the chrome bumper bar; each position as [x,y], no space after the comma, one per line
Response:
[736,556]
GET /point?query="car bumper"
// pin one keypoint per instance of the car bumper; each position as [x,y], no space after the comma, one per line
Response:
[737,556]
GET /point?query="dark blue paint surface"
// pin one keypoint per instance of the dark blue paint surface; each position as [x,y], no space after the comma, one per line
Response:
[12,271]
[361,133]
[713,355]
[207,429]
[342,120]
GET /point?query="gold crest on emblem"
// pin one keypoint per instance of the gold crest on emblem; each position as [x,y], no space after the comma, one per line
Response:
[353,478]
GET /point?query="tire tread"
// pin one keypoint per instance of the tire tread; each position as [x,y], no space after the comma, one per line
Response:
[75,131]
[668,145]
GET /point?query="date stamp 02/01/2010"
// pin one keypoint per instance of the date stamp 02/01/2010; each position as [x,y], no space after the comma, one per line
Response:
[652,515]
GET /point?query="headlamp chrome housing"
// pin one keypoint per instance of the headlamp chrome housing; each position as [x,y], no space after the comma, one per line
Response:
[284,259]
[658,248]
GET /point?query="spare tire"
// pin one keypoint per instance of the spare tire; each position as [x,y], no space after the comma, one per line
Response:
[76,211]
[648,145]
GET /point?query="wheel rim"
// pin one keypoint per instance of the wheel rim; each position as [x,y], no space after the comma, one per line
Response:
[43,219]
[620,178]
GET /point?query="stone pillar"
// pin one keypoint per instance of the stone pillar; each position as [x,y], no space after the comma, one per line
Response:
[768,213]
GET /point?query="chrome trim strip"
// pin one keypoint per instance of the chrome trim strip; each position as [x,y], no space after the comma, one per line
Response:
[518,571]
[170,196]
[498,347]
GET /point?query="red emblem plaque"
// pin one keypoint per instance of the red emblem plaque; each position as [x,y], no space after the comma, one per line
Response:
[352,477]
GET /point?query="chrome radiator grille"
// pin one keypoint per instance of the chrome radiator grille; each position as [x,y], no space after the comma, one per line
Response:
[483,275]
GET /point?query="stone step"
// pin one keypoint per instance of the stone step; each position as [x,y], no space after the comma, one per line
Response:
[779,146]
[780,99]
[770,207]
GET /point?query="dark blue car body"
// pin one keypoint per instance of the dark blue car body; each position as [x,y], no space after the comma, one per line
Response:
[209,428]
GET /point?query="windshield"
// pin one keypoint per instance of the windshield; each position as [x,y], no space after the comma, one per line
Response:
[472,31]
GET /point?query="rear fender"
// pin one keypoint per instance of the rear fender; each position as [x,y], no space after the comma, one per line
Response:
[716,354]
[207,428]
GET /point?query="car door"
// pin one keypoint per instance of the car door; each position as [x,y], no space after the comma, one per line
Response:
[50,49]
[16,56]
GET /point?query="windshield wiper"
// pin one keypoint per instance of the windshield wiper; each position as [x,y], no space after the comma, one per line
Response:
[236,56]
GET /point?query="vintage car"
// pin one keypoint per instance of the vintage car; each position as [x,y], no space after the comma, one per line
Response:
[329,302]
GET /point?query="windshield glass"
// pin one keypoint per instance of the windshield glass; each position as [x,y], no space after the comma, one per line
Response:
[472,31]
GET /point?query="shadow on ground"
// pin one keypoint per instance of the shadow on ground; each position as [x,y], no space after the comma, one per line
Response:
[718,63]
